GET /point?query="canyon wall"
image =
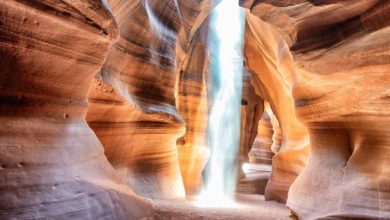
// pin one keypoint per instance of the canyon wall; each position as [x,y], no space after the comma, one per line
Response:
[339,80]
[252,108]
[131,102]
[261,151]
[158,63]
[193,104]
[52,164]
[268,59]
[322,65]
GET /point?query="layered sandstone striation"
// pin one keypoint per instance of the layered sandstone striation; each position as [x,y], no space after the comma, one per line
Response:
[131,102]
[52,164]
[340,86]
[322,65]
[251,110]
[269,61]
[257,164]
[148,72]
[193,104]
[261,151]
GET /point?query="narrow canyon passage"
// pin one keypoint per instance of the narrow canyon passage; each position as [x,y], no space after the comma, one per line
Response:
[194,109]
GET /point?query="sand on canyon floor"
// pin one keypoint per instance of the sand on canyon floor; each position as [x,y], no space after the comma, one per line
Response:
[249,207]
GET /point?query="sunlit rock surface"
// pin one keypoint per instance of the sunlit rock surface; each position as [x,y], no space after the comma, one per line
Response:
[252,109]
[52,164]
[269,60]
[322,65]
[257,169]
[132,107]
[340,85]
[261,152]
[132,100]
[193,104]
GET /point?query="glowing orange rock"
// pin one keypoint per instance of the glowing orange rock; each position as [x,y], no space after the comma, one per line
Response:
[268,58]
[52,164]
[340,88]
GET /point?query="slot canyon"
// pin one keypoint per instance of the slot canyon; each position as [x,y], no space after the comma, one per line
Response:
[194,109]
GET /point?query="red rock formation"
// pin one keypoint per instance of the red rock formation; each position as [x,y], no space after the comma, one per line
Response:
[261,152]
[257,169]
[132,101]
[268,59]
[132,106]
[251,110]
[193,105]
[277,135]
[52,164]
[341,64]
[325,61]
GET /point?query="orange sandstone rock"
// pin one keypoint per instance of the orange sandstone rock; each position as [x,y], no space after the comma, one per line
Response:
[132,106]
[52,164]
[261,152]
[268,58]
[133,99]
[341,62]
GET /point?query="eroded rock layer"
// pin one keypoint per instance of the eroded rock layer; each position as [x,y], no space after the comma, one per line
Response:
[193,105]
[251,110]
[269,61]
[52,164]
[261,152]
[341,66]
[322,65]
[132,107]
[132,101]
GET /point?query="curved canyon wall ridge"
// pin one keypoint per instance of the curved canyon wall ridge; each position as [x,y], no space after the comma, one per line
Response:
[261,151]
[269,61]
[252,109]
[52,164]
[132,100]
[341,60]
[192,102]
[322,65]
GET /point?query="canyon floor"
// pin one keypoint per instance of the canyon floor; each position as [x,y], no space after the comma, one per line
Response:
[248,207]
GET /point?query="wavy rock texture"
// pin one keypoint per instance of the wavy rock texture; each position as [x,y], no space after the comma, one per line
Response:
[52,164]
[261,152]
[325,61]
[132,106]
[341,88]
[277,132]
[132,101]
[268,60]
[251,110]
[193,105]
[256,164]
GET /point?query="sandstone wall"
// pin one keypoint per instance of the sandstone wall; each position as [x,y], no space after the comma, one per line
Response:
[133,99]
[269,60]
[340,89]
[52,164]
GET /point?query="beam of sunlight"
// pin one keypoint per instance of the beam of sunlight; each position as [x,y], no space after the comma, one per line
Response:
[158,28]
[225,43]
